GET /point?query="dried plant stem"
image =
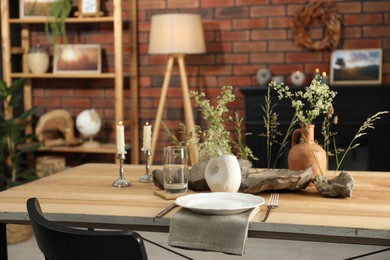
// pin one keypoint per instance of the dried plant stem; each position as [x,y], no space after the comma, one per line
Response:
[369,123]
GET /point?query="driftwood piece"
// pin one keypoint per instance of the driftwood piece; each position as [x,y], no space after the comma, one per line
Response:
[56,127]
[340,186]
[276,179]
[251,182]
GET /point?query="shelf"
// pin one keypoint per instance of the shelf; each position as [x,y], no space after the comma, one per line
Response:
[73,75]
[105,19]
[103,148]
[15,52]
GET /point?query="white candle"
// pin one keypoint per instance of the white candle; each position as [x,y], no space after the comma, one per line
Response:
[147,136]
[120,138]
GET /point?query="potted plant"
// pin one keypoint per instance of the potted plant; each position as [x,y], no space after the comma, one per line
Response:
[13,148]
[55,25]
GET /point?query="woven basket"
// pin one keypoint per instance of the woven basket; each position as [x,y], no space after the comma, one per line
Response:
[18,233]
[47,165]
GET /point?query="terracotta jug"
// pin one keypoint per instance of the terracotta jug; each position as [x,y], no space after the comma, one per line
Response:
[301,154]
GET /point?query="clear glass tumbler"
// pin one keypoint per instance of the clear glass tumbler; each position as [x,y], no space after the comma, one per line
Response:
[175,169]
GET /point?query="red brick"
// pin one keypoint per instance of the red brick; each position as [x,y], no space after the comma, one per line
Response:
[362,43]
[376,6]
[268,34]
[218,47]
[250,23]
[344,8]
[283,46]
[233,36]
[253,46]
[251,2]
[220,24]
[231,12]
[361,19]
[376,31]
[282,69]
[216,70]
[270,10]
[232,58]
[183,4]
[386,67]
[293,57]
[151,4]
[245,69]
[267,57]
[89,92]
[279,22]
[215,3]
[76,102]
[352,32]
[47,102]
[287,1]
[386,43]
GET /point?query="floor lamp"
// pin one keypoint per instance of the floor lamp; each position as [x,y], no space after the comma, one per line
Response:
[176,35]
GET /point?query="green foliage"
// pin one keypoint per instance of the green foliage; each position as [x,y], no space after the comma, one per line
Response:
[12,136]
[215,140]
[308,104]
[368,124]
[272,133]
[59,11]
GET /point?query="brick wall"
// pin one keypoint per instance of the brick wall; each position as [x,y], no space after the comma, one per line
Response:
[242,36]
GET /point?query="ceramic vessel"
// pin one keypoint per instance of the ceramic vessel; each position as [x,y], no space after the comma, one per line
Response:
[303,153]
[223,174]
[38,59]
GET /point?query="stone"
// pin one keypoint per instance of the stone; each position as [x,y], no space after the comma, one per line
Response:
[276,179]
[340,186]
[223,174]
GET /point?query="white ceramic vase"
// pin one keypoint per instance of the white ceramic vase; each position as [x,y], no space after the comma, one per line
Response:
[223,174]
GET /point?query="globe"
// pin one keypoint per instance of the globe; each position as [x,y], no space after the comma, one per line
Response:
[88,123]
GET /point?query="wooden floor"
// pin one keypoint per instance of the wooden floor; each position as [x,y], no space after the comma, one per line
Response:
[256,249]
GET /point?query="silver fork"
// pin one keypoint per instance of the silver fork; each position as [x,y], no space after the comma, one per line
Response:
[272,203]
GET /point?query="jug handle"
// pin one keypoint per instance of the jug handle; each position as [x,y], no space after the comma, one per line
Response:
[295,134]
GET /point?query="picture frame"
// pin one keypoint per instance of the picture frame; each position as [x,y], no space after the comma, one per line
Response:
[34,8]
[356,67]
[89,8]
[77,58]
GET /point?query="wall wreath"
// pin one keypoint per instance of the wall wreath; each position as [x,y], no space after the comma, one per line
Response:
[327,15]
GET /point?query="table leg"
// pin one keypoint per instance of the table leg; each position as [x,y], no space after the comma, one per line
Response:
[3,242]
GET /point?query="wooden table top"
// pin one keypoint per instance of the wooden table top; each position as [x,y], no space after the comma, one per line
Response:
[83,196]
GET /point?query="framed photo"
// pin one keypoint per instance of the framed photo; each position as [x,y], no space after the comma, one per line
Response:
[356,67]
[89,8]
[34,8]
[77,58]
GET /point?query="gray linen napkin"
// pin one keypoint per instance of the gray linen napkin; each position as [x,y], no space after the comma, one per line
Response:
[220,233]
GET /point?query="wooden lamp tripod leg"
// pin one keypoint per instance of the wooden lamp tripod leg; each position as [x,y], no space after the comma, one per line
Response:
[161,105]
[189,116]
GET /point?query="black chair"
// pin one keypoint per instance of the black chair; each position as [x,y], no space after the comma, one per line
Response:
[58,242]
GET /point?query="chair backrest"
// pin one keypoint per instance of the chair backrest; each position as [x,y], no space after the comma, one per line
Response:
[58,242]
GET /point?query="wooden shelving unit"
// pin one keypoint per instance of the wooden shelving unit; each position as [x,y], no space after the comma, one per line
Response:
[118,76]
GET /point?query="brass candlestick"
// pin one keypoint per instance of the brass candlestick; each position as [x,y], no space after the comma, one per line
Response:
[121,181]
[147,177]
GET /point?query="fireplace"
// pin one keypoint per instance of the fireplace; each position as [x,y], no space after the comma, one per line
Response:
[353,105]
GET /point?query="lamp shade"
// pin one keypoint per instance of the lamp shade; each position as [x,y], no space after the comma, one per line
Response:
[176,34]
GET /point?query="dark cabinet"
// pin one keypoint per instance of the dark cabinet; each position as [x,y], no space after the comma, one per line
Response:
[353,105]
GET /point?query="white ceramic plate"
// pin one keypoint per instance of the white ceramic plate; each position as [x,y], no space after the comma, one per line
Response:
[220,203]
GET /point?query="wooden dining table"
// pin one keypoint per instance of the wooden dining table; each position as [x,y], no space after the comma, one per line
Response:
[83,196]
